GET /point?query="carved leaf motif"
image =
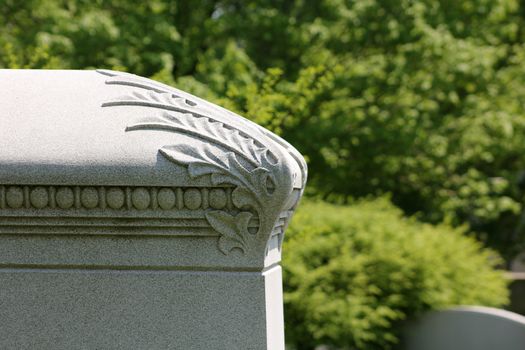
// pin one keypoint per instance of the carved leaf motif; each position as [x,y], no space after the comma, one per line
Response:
[216,131]
[250,192]
[242,197]
[201,160]
[164,98]
[209,131]
[238,153]
[151,86]
[233,230]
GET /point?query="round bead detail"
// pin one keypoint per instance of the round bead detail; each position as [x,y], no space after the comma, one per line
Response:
[14,197]
[89,197]
[217,198]
[65,198]
[192,198]
[141,198]
[166,198]
[115,198]
[39,197]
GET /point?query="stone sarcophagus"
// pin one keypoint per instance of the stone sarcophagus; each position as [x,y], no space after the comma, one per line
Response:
[137,216]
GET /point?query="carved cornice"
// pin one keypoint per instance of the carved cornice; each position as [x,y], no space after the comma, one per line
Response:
[120,210]
[261,167]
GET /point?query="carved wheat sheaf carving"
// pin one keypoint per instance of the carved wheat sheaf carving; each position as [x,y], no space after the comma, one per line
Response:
[229,149]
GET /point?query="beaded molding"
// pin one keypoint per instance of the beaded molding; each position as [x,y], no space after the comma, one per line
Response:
[114,197]
[119,210]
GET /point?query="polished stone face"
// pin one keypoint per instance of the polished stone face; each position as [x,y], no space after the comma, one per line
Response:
[129,207]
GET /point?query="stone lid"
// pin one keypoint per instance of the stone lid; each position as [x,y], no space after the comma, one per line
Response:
[64,126]
[108,153]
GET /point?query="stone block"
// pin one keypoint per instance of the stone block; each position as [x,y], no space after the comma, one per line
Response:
[137,216]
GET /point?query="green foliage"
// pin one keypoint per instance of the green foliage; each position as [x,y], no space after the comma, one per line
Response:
[353,274]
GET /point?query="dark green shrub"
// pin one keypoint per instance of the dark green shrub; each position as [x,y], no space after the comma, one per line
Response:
[354,273]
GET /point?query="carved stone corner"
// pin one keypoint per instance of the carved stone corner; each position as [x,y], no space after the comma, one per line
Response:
[266,174]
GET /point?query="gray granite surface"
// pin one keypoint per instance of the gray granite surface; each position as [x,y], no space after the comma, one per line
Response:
[136,216]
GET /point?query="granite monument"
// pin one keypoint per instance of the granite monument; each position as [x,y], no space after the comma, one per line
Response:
[137,216]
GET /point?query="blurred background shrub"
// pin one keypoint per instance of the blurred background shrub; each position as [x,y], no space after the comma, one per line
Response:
[353,274]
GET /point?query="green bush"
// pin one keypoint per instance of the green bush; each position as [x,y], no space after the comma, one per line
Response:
[353,274]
